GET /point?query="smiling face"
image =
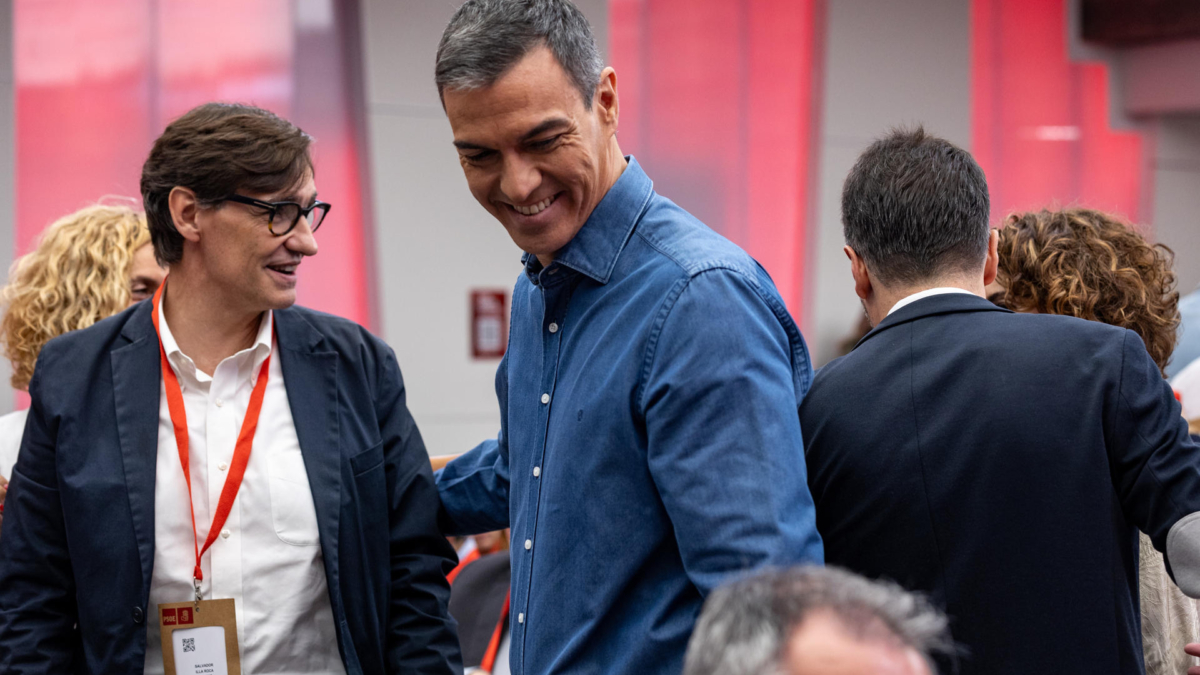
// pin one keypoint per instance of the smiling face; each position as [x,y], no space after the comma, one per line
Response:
[252,269]
[534,156]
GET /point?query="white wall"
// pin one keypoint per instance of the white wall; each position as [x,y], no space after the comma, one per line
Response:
[887,63]
[1177,194]
[434,242]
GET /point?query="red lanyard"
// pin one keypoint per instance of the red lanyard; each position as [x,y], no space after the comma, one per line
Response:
[493,648]
[241,451]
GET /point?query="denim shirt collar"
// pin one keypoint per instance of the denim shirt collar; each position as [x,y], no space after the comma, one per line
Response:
[595,248]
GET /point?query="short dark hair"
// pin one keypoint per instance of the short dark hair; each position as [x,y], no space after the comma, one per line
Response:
[915,207]
[215,150]
[485,38]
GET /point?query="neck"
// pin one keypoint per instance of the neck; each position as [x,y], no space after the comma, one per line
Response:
[613,166]
[884,298]
[205,327]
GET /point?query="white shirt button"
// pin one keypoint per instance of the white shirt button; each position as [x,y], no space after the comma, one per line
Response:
[521,617]
[222,466]
[553,328]
[528,544]
[537,471]
[545,398]
[225,534]
[219,403]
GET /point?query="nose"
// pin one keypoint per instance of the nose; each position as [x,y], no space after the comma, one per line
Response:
[301,239]
[519,179]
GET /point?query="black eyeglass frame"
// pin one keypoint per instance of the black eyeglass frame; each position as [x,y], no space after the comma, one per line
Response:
[272,209]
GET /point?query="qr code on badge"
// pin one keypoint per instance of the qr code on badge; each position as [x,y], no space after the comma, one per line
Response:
[189,644]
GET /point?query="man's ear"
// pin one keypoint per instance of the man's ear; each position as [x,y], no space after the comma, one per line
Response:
[991,266]
[858,269]
[184,208]
[606,103]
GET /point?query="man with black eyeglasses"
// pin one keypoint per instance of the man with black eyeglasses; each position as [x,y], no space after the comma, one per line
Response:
[216,479]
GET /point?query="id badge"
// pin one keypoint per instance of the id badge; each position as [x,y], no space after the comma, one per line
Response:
[199,638]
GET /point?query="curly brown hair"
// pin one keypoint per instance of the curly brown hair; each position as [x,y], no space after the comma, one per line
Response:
[77,275]
[1090,265]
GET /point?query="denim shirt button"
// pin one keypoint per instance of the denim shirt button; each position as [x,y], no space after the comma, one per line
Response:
[553,328]
[545,398]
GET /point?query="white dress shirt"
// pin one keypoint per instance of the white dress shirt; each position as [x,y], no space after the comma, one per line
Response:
[268,556]
[930,292]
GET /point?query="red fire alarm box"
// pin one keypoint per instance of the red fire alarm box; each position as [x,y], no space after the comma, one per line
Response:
[489,324]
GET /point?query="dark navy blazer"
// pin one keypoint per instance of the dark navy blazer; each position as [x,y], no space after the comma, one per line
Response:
[1002,463]
[78,538]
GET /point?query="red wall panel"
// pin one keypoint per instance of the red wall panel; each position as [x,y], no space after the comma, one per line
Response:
[1040,122]
[717,103]
[96,82]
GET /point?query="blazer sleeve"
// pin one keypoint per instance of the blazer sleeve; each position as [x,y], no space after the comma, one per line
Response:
[1156,463]
[37,588]
[422,637]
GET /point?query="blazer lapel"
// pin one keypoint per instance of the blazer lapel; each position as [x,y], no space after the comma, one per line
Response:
[137,374]
[310,378]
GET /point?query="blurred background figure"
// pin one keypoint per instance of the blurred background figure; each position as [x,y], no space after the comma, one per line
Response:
[472,548]
[1187,350]
[479,602]
[87,266]
[815,621]
[1093,266]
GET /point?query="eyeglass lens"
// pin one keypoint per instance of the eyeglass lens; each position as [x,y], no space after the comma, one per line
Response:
[287,216]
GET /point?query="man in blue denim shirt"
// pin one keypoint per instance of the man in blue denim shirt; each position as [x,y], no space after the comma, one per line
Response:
[650,446]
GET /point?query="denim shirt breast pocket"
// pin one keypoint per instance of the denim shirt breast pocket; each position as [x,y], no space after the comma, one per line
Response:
[292,510]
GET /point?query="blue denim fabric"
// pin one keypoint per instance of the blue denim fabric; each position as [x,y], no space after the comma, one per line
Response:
[650,445]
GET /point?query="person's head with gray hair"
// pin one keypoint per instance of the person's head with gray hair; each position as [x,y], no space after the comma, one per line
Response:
[534,116]
[815,620]
[485,38]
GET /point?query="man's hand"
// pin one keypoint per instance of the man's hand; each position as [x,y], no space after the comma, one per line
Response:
[1193,649]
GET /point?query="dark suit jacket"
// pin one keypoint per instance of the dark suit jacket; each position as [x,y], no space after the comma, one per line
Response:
[1002,463]
[78,542]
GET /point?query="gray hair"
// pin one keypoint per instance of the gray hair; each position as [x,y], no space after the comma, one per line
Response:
[745,625]
[485,38]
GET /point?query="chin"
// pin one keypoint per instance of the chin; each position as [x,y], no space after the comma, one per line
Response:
[544,243]
[280,300]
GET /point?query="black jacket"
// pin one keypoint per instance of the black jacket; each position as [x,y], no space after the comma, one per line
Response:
[78,544]
[1002,463]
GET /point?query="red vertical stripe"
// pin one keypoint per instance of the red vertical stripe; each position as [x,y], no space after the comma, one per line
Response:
[719,106]
[1040,122]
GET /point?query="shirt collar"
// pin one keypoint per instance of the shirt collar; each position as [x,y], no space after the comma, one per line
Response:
[594,250]
[942,290]
[183,365]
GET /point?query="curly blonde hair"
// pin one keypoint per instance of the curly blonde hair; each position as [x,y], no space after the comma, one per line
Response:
[1090,265]
[77,275]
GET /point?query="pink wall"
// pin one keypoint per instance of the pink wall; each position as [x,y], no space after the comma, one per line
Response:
[718,102]
[1040,122]
[97,82]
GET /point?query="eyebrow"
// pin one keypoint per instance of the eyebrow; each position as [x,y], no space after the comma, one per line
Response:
[551,124]
[292,197]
